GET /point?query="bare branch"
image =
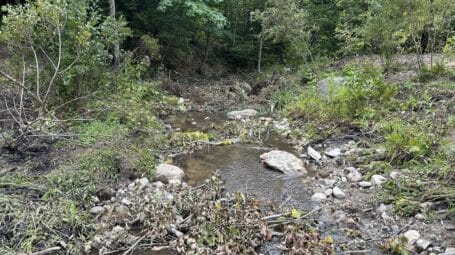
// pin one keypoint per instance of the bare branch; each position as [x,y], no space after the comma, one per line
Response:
[59,59]
[20,84]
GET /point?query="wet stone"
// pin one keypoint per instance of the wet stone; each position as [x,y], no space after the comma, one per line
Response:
[283,161]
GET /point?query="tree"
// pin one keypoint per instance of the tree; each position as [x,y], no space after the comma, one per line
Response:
[284,22]
[206,18]
[58,54]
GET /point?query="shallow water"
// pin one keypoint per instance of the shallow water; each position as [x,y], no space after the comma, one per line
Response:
[241,169]
[195,120]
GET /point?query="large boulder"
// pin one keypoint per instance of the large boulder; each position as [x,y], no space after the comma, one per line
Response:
[243,114]
[283,161]
[169,174]
[330,83]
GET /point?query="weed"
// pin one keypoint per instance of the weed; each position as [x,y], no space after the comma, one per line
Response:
[147,163]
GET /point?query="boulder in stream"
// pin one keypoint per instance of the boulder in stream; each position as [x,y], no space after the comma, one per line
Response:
[169,174]
[283,161]
[243,114]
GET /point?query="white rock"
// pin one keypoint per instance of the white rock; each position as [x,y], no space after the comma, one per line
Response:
[423,244]
[314,154]
[318,197]
[343,179]
[365,184]
[243,114]
[283,161]
[338,193]
[169,174]
[354,175]
[126,202]
[377,180]
[328,192]
[97,210]
[412,236]
[333,153]
[143,183]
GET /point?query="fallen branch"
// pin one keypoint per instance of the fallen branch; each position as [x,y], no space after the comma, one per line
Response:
[46,251]
[134,245]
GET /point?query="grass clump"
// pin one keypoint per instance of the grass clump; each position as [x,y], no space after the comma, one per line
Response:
[363,94]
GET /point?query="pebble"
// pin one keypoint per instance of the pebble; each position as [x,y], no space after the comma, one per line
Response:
[328,192]
[365,184]
[423,244]
[338,193]
[314,154]
[318,197]
[97,210]
[412,236]
[333,153]
[449,251]
[377,180]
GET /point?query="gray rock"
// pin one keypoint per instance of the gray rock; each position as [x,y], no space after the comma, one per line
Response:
[449,251]
[326,85]
[338,193]
[365,184]
[314,154]
[354,175]
[97,210]
[243,114]
[377,180]
[318,197]
[422,244]
[333,152]
[412,236]
[283,161]
[169,174]
[328,192]
[394,175]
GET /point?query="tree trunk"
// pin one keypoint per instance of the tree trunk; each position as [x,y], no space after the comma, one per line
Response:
[206,53]
[117,45]
[260,53]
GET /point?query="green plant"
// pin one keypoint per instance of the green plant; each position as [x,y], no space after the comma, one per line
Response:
[147,163]
[404,141]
